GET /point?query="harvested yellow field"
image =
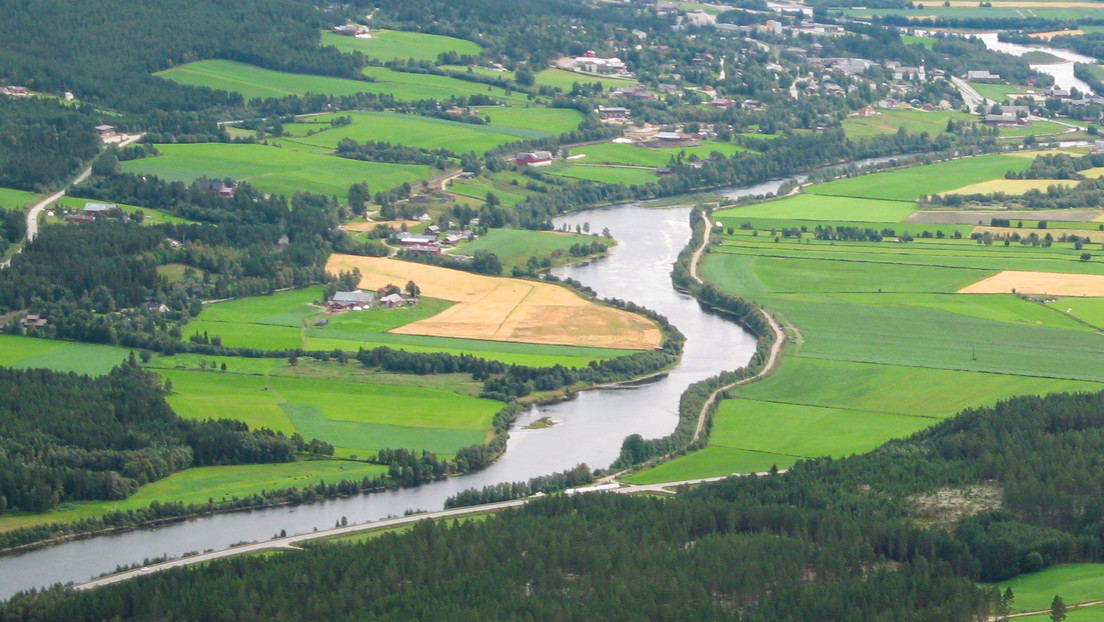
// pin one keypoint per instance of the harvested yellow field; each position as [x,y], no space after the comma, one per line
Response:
[503,309]
[1071,151]
[1047,36]
[1039,283]
[1011,186]
[369,225]
[1093,173]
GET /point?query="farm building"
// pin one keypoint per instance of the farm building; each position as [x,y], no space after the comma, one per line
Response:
[105,131]
[32,321]
[348,300]
[668,136]
[392,300]
[217,187]
[153,305]
[351,30]
[981,75]
[425,249]
[533,158]
[79,217]
[613,112]
[95,209]
[867,111]
[411,239]
[593,64]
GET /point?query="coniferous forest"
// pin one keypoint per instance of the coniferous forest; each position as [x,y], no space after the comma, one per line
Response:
[829,540]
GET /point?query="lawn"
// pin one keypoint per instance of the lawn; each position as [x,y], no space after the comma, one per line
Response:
[550,120]
[815,207]
[713,461]
[386,45]
[11,198]
[279,171]
[516,246]
[1075,583]
[254,82]
[65,356]
[564,80]
[999,92]
[889,121]
[909,183]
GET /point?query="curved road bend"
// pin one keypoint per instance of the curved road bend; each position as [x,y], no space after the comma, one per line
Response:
[289,543]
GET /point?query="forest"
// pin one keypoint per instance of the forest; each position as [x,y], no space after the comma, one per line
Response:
[112,435]
[829,540]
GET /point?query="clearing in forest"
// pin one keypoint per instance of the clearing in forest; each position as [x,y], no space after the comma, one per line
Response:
[1042,283]
[502,309]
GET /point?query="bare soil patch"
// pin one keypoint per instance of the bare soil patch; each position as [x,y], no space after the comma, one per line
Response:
[1039,283]
[948,506]
[502,309]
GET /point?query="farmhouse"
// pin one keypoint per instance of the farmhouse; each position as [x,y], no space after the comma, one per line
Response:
[672,136]
[152,305]
[867,111]
[95,209]
[348,300]
[533,158]
[391,301]
[32,321]
[217,187]
[411,239]
[351,30]
[425,249]
[79,217]
[105,131]
[14,91]
[613,112]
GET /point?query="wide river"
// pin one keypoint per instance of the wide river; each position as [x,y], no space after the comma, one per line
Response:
[1062,71]
[590,429]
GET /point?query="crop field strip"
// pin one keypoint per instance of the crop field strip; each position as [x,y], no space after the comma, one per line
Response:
[884,345]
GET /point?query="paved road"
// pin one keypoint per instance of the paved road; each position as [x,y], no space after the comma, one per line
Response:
[32,215]
[290,543]
[969,93]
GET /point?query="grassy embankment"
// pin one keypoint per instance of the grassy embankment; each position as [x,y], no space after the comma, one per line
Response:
[881,344]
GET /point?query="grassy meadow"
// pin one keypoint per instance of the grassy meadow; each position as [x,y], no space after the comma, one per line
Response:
[11,198]
[914,121]
[65,356]
[274,170]
[255,82]
[1075,583]
[515,246]
[880,344]
[565,80]
[388,45]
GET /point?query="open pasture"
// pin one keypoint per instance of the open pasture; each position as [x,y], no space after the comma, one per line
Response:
[12,199]
[64,356]
[202,484]
[279,171]
[149,216]
[502,309]
[549,120]
[564,80]
[890,121]
[713,461]
[1011,186]
[1090,310]
[983,217]
[387,45]
[1076,583]
[405,129]
[1039,283]
[1001,92]
[254,82]
[477,189]
[627,175]
[909,183]
[811,207]
[635,155]
[516,246]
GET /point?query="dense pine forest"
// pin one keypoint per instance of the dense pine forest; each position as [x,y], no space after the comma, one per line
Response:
[845,539]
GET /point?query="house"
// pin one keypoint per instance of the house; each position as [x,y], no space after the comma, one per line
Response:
[613,112]
[14,91]
[432,230]
[981,75]
[533,158]
[1098,146]
[283,242]
[347,300]
[1057,92]
[95,209]
[867,111]
[152,305]
[391,301]
[722,103]
[217,187]
[32,321]
[105,131]
[352,30]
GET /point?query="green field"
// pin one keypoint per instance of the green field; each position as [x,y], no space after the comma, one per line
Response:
[201,484]
[909,183]
[516,246]
[880,344]
[813,207]
[927,42]
[551,120]
[629,176]
[387,45]
[285,321]
[1075,583]
[82,358]
[635,155]
[10,198]
[254,82]
[404,129]
[889,121]
[1000,92]
[935,9]
[564,80]
[279,171]
[149,216]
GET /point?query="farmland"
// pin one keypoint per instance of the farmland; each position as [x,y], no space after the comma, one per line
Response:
[886,337]
[254,82]
[286,321]
[280,171]
[515,246]
[501,309]
[66,356]
[635,155]
[1075,583]
[387,45]
[889,121]
[10,198]
[564,80]
[149,216]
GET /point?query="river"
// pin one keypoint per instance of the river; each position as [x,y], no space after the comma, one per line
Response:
[1062,72]
[590,427]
